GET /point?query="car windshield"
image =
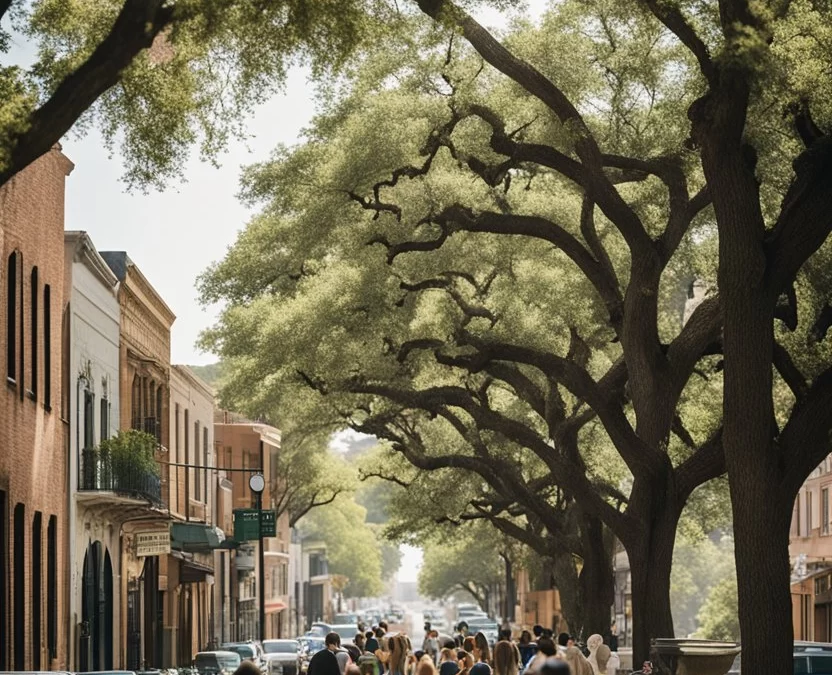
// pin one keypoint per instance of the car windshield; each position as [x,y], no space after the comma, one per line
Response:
[245,651]
[280,646]
[482,625]
[216,662]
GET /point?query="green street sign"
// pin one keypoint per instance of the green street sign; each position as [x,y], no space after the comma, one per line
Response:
[245,524]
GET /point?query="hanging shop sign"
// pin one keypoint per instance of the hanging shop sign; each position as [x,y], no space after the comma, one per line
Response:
[156,542]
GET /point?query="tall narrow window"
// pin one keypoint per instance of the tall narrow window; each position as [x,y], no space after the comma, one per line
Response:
[824,511]
[33,333]
[797,519]
[11,318]
[187,465]
[65,370]
[52,587]
[177,456]
[104,419]
[197,472]
[205,461]
[19,611]
[47,347]
[809,522]
[89,412]
[35,583]
[4,570]
[159,418]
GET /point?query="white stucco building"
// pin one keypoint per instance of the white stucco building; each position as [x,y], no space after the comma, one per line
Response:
[91,375]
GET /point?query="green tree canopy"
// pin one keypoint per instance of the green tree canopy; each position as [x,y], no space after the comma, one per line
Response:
[479,253]
[352,548]
[158,76]
[718,617]
[464,559]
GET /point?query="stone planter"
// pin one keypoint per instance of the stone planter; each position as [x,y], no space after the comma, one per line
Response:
[693,657]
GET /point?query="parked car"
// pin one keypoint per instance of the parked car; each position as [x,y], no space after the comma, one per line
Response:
[812,657]
[346,618]
[217,662]
[282,657]
[248,651]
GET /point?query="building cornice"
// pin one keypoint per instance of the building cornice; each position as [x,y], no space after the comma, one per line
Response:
[134,276]
[194,380]
[84,252]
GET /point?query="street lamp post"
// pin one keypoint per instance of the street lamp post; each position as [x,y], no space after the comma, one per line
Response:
[257,484]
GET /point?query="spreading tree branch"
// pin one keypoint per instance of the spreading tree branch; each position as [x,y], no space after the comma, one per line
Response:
[136,26]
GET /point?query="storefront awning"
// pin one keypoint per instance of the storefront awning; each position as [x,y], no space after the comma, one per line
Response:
[274,606]
[198,538]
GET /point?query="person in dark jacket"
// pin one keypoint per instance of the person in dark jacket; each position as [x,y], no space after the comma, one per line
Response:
[323,663]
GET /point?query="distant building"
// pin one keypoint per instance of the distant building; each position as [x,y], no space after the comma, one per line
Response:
[243,444]
[810,548]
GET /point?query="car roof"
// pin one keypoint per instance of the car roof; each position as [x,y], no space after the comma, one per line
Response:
[279,640]
[801,645]
[219,652]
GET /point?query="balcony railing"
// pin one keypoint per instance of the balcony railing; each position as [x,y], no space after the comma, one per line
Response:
[150,425]
[100,474]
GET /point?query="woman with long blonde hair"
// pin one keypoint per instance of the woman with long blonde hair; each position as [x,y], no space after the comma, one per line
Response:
[397,661]
[578,665]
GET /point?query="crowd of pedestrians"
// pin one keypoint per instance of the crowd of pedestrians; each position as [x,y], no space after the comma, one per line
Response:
[378,653]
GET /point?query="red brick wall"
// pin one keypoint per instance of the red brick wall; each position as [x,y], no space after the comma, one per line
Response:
[33,436]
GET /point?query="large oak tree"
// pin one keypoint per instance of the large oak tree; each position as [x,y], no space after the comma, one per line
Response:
[536,202]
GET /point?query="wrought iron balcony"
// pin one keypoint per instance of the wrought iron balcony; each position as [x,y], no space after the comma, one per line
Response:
[99,473]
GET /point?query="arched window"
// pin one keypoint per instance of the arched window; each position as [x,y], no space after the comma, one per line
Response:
[19,588]
[33,333]
[47,347]
[35,584]
[11,317]
[135,402]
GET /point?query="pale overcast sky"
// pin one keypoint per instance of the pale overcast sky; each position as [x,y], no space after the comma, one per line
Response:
[173,235]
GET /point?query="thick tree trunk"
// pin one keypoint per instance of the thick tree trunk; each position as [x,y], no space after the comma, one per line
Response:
[761,507]
[597,582]
[568,585]
[761,544]
[511,594]
[651,558]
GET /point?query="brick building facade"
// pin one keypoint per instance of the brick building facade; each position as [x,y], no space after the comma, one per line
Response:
[33,483]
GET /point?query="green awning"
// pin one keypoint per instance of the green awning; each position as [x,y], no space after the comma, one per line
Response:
[198,538]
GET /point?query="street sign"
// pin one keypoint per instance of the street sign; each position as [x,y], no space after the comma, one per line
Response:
[245,524]
[156,542]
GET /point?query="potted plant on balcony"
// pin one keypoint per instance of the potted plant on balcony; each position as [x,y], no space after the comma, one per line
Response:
[129,456]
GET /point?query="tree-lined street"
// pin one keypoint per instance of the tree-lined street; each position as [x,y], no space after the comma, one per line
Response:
[569,272]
